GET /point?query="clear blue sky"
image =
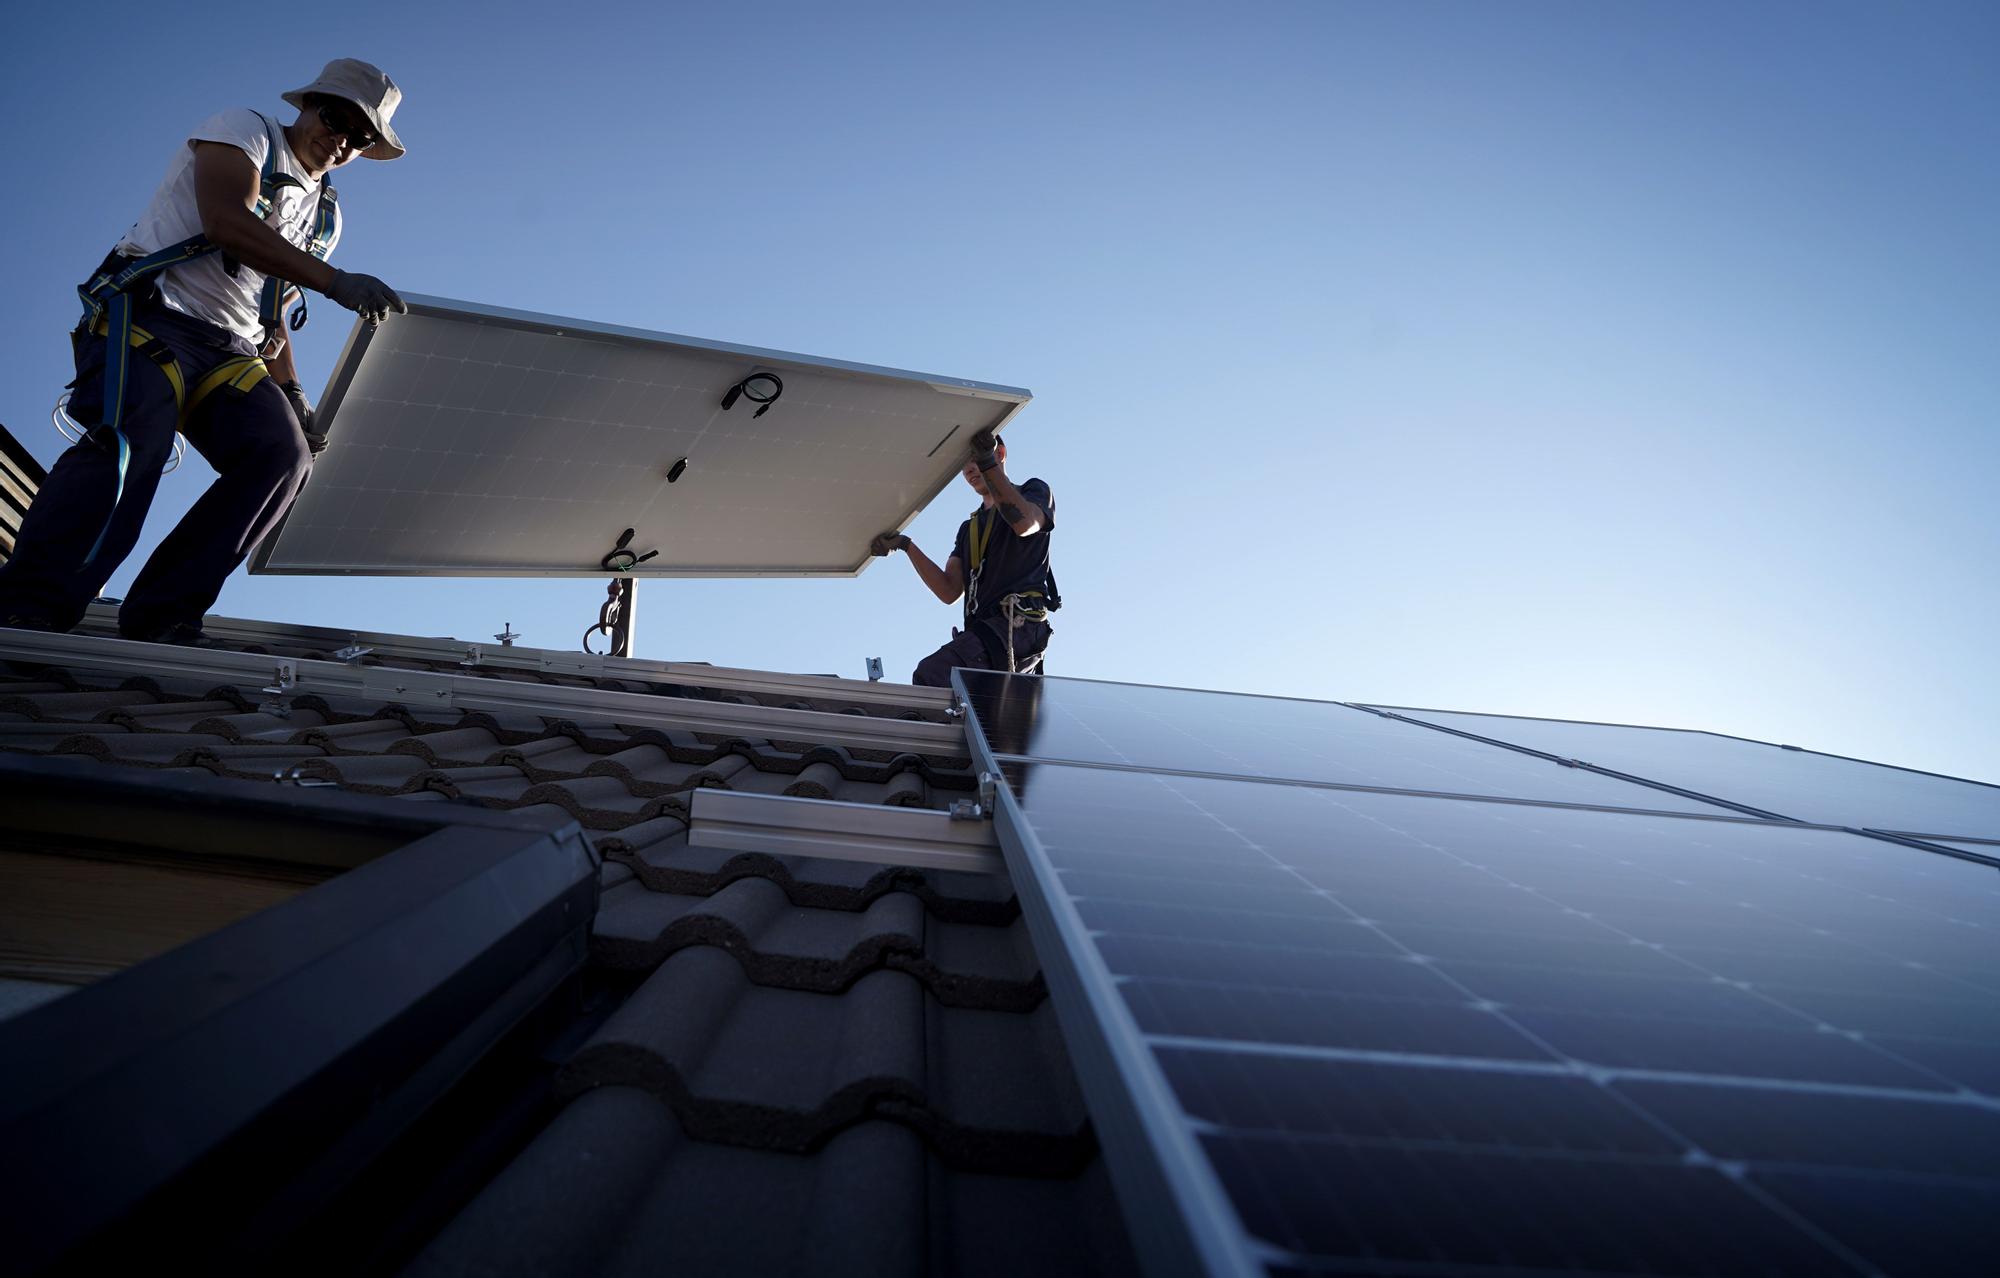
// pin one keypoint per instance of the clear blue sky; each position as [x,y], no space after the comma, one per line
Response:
[1631,361]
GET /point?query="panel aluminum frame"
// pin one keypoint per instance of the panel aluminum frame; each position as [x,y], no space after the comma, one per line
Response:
[1162,1179]
[1412,715]
[290,550]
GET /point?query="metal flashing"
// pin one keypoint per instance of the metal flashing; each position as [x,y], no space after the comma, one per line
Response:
[780,825]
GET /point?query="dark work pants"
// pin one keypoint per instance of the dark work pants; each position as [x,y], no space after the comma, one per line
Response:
[965,650]
[980,648]
[252,439]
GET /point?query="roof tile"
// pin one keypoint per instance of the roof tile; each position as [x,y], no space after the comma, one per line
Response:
[614,1187]
[962,965]
[783,1069]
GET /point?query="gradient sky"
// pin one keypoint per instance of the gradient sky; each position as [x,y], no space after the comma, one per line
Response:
[1628,361]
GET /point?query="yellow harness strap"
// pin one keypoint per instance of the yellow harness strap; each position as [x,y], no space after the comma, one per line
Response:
[980,535]
[140,340]
[241,373]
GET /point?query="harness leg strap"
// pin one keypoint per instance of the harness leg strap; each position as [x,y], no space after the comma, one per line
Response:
[117,374]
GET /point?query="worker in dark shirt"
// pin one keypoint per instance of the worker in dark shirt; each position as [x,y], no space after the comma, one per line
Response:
[999,565]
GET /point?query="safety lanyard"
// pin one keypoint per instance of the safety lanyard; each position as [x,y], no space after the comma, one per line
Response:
[979,534]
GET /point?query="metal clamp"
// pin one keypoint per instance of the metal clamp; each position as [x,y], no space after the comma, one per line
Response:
[283,682]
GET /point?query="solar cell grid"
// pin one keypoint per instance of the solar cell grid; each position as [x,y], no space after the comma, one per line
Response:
[1443,1036]
[1186,730]
[1800,784]
[475,441]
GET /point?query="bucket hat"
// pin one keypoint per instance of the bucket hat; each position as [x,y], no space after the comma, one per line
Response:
[366,87]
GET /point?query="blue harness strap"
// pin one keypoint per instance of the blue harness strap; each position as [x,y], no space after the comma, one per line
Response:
[108,301]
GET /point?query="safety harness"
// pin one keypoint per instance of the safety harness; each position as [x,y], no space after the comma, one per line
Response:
[111,293]
[1017,609]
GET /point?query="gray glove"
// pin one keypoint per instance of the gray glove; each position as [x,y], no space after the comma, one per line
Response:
[983,446]
[302,409]
[365,295]
[886,542]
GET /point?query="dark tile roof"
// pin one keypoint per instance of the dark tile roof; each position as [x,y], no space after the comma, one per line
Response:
[615,1186]
[796,1063]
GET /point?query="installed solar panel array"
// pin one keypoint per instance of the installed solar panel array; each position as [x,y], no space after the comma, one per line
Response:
[1341,1022]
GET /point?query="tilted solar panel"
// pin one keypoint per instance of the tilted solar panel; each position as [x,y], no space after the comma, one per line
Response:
[1342,1030]
[475,441]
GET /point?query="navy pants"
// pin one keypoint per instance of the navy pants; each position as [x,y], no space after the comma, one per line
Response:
[983,647]
[251,438]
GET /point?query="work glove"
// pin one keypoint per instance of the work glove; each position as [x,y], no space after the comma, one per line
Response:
[983,446]
[302,409]
[886,542]
[365,295]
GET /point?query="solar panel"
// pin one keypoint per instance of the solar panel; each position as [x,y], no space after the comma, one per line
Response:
[476,441]
[1183,729]
[1800,784]
[1361,1031]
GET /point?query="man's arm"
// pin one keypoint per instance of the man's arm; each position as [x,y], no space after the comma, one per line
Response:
[1022,515]
[225,192]
[947,583]
[986,468]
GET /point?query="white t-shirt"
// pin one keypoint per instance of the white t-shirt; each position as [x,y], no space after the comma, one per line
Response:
[202,288]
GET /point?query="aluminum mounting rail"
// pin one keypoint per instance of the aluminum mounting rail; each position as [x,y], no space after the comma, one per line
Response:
[282,677]
[102,620]
[781,825]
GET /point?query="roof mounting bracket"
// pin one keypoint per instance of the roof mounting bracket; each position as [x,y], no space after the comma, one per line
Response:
[284,681]
[353,652]
[779,825]
[418,689]
[471,658]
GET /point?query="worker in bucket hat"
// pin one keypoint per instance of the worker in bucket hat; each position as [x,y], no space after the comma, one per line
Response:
[187,326]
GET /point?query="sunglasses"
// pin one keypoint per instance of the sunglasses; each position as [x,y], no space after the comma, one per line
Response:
[340,119]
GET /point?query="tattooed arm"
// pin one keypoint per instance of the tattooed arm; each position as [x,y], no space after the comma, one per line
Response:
[1022,515]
